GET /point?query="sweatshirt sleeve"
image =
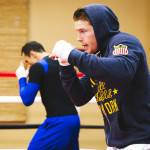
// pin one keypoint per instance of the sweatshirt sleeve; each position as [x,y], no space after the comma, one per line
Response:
[114,69]
[79,90]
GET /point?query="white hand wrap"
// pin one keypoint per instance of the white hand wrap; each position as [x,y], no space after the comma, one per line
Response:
[62,50]
[21,72]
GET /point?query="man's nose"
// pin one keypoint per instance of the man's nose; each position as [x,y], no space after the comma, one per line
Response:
[79,38]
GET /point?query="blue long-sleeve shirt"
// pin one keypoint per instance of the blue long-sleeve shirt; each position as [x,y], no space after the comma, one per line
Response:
[27,91]
[44,77]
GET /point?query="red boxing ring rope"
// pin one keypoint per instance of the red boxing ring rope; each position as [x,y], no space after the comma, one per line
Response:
[7,74]
[13,75]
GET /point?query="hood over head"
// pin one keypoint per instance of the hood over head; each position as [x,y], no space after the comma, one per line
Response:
[104,22]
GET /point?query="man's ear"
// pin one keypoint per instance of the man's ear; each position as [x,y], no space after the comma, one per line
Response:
[33,54]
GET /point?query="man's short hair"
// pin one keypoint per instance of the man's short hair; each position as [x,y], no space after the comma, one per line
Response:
[32,46]
[80,14]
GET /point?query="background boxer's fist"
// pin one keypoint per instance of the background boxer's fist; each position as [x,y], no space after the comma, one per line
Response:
[21,72]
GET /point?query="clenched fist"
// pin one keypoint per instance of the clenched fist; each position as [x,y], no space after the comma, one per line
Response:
[61,51]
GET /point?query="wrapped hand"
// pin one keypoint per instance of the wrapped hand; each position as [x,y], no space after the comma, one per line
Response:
[21,72]
[61,51]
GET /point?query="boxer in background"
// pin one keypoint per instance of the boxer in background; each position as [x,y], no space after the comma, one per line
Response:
[60,129]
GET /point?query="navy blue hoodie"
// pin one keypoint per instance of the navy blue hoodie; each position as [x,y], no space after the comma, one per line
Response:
[119,80]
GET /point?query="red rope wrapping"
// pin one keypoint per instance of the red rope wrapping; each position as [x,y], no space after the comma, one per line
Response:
[13,75]
[7,74]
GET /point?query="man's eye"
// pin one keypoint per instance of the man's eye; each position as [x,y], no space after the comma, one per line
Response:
[82,31]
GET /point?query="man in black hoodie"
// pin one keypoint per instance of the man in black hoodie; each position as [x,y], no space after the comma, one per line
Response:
[116,73]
